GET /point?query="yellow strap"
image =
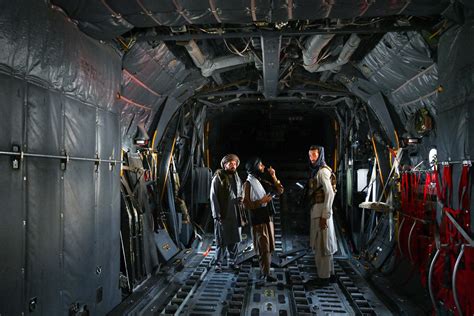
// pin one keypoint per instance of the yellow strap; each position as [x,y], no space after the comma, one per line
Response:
[121,165]
[153,140]
[378,163]
[396,138]
[168,169]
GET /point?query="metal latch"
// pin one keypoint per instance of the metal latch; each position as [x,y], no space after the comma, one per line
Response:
[33,303]
[97,162]
[112,163]
[65,160]
[16,159]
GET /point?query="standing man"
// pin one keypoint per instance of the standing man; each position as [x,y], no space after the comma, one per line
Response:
[322,234]
[258,201]
[226,200]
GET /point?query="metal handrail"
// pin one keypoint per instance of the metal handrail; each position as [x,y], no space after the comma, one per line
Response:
[455,271]
[454,162]
[410,255]
[424,221]
[66,157]
[398,237]
[430,277]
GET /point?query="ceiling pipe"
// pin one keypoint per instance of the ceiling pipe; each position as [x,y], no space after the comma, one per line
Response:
[313,48]
[209,66]
[316,44]
[349,48]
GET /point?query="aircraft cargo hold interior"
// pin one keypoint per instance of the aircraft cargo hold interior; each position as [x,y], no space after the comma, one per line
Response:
[236,157]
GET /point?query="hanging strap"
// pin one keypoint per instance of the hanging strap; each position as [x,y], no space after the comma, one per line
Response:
[404,189]
[410,193]
[415,200]
[430,191]
[437,181]
[464,196]
[444,185]
[464,188]
[447,184]
[426,192]
[427,187]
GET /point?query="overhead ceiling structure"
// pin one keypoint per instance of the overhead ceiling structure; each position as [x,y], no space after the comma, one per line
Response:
[108,19]
[271,64]
[223,53]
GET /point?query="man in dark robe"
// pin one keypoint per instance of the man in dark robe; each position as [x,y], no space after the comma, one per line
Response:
[226,206]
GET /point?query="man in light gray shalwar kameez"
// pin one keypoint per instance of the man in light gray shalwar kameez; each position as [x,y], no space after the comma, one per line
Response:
[322,234]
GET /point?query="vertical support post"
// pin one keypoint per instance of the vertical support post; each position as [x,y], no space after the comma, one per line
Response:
[271,45]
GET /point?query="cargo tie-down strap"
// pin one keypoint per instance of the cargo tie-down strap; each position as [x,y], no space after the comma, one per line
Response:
[420,236]
[427,232]
[405,214]
[411,236]
[417,219]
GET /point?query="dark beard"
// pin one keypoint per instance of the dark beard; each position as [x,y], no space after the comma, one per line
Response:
[230,171]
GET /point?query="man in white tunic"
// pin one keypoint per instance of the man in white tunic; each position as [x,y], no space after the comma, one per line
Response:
[257,199]
[322,235]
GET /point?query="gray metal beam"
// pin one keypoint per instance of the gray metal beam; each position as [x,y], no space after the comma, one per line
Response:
[285,33]
[296,102]
[225,93]
[284,92]
[271,45]
[377,104]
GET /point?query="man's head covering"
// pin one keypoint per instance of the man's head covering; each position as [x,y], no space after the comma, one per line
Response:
[320,162]
[252,165]
[228,158]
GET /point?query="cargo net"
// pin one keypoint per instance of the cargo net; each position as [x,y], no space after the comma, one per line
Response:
[442,251]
